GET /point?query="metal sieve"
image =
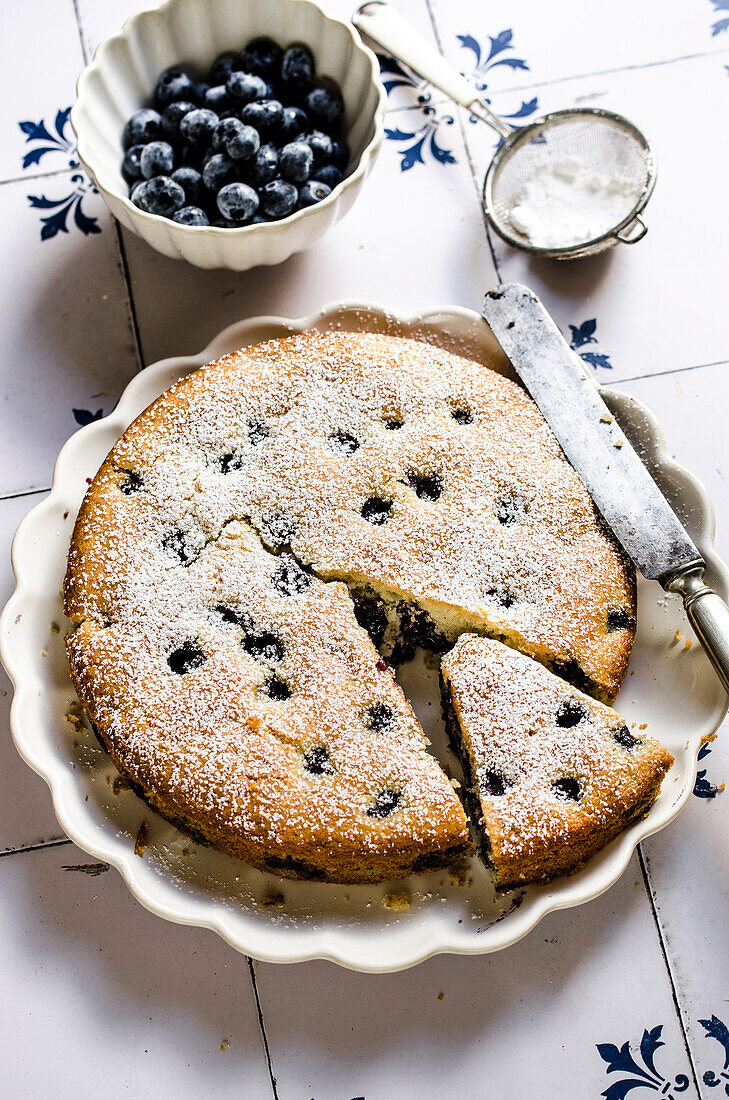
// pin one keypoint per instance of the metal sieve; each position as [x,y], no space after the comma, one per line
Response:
[605,143]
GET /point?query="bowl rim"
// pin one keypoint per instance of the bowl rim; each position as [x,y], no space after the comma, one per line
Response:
[153,14]
[393,952]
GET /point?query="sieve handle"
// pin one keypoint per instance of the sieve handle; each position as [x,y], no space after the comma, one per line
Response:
[387,28]
[627,236]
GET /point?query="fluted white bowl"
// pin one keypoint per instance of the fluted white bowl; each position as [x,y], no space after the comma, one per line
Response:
[122,75]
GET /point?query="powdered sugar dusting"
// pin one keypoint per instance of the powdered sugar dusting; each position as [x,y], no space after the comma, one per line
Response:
[291,442]
[552,767]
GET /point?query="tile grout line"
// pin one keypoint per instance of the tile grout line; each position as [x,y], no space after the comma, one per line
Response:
[121,248]
[474,180]
[56,842]
[134,320]
[30,177]
[669,969]
[261,1025]
[25,493]
[674,370]
[609,72]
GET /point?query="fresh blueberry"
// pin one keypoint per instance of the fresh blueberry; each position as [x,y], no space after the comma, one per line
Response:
[297,68]
[172,85]
[245,87]
[160,195]
[223,66]
[198,126]
[262,56]
[278,198]
[312,192]
[295,161]
[244,144]
[131,168]
[199,91]
[193,155]
[325,107]
[142,127]
[329,175]
[237,202]
[190,215]
[264,165]
[226,223]
[265,115]
[216,98]
[340,154]
[173,115]
[157,159]
[224,131]
[293,123]
[321,147]
[190,181]
[218,171]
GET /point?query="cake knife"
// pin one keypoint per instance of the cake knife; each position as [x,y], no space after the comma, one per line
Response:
[615,477]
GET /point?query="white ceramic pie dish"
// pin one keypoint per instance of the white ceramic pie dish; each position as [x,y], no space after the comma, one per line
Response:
[122,74]
[669,685]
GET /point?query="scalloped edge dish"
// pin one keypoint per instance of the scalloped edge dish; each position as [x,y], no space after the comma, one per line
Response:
[391,926]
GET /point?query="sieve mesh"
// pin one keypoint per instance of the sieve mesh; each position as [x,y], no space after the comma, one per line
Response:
[604,143]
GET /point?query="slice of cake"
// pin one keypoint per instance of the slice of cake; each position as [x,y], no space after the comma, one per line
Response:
[554,775]
[246,704]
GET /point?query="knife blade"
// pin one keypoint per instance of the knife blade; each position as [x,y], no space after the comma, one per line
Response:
[617,480]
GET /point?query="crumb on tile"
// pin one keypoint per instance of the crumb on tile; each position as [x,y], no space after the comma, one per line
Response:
[396,901]
[273,901]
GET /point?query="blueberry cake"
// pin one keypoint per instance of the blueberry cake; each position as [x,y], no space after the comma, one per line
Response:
[241,696]
[553,775]
[232,675]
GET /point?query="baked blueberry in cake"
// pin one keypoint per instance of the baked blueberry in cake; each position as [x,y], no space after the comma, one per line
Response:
[226,666]
[553,775]
[241,695]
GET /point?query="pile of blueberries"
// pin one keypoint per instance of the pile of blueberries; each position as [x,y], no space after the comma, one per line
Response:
[259,138]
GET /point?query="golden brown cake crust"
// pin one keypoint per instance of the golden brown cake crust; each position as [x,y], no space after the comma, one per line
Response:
[278,741]
[308,443]
[556,774]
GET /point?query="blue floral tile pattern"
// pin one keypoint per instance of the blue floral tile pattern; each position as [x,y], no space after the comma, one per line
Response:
[639,1072]
[85,416]
[702,787]
[483,63]
[721,24]
[69,204]
[716,1029]
[46,141]
[424,139]
[54,140]
[580,336]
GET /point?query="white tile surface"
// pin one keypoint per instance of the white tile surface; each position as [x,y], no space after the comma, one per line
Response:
[658,304]
[522,1023]
[42,58]
[554,41]
[117,1001]
[109,1001]
[687,863]
[66,341]
[26,811]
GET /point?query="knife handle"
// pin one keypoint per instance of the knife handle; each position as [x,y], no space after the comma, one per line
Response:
[708,615]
